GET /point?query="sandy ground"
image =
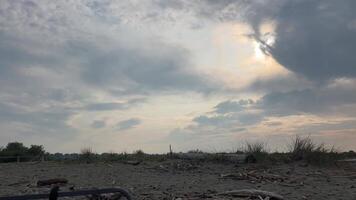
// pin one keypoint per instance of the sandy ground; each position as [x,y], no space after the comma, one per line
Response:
[184,180]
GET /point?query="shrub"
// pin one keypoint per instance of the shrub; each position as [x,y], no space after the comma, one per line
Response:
[255,148]
[36,150]
[87,155]
[301,147]
[17,149]
[138,154]
[256,152]
[305,149]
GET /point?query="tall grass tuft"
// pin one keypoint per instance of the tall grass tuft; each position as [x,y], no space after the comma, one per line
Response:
[87,155]
[305,149]
[139,154]
[256,151]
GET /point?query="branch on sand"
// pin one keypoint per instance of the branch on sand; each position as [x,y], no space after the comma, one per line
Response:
[252,193]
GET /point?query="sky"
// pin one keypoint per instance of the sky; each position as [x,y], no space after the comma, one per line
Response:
[143,74]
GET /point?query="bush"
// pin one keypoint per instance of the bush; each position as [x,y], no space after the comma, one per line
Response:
[87,155]
[36,150]
[305,149]
[138,154]
[17,149]
[256,152]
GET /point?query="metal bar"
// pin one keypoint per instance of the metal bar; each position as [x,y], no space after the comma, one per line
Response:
[71,194]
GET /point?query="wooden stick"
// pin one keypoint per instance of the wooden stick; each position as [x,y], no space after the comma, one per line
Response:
[52,181]
[252,193]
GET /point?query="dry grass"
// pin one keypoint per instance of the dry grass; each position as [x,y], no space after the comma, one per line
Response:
[299,149]
[305,149]
[256,151]
[255,147]
[87,154]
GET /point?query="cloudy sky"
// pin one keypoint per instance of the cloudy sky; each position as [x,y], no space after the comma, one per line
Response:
[143,74]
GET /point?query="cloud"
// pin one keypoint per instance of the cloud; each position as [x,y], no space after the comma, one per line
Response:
[98,124]
[128,124]
[67,58]
[228,116]
[317,128]
[160,68]
[214,121]
[232,106]
[325,100]
[55,64]
[239,116]
[280,83]
[134,63]
[315,39]
[105,106]
[51,121]
[273,124]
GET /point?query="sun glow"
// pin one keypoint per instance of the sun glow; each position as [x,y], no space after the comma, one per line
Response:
[259,55]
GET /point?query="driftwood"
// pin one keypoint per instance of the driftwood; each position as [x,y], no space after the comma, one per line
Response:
[252,193]
[132,162]
[54,194]
[52,181]
[255,176]
[19,183]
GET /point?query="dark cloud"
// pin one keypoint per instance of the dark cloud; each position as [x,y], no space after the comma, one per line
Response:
[280,83]
[248,119]
[128,124]
[326,100]
[214,121]
[229,121]
[232,106]
[230,114]
[45,122]
[290,103]
[162,68]
[331,126]
[17,53]
[313,38]
[98,124]
[113,67]
[316,38]
[105,106]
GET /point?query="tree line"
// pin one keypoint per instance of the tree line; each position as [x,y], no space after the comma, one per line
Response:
[14,151]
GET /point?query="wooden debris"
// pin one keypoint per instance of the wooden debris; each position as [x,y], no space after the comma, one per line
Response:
[252,193]
[19,183]
[255,176]
[133,162]
[52,181]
